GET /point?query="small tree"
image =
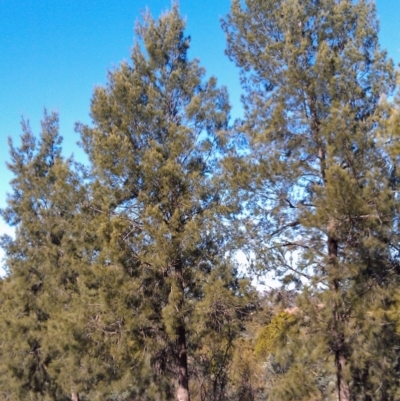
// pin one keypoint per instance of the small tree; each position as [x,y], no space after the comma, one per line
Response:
[43,266]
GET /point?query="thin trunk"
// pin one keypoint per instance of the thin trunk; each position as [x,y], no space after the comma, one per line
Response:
[343,387]
[340,357]
[183,374]
[74,396]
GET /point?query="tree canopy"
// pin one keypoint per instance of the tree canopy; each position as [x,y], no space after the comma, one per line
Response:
[123,281]
[321,185]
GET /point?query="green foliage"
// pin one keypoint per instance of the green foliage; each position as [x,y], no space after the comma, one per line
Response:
[42,286]
[156,143]
[274,333]
[121,283]
[118,288]
[319,186]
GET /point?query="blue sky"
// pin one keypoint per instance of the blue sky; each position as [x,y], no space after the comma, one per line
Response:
[54,52]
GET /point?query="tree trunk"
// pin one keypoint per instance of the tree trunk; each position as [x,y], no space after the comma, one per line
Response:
[181,349]
[183,374]
[342,386]
[74,396]
[343,390]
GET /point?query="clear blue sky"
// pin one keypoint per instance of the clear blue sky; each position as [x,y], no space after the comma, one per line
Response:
[53,53]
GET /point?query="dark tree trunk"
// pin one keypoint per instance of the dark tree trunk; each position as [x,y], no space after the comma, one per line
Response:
[181,348]
[183,374]
[343,390]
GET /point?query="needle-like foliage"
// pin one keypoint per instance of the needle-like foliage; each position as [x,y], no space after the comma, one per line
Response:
[319,184]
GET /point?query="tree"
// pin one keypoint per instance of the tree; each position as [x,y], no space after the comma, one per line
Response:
[39,295]
[155,147]
[319,183]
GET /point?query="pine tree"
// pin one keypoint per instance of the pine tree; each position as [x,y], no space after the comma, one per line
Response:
[319,184]
[37,315]
[155,147]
